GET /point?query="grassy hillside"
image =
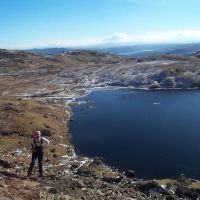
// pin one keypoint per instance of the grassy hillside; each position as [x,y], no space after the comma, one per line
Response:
[20,117]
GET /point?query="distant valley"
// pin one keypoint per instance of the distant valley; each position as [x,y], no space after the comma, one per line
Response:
[131,50]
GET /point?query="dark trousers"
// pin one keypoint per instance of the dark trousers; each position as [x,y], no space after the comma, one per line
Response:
[35,156]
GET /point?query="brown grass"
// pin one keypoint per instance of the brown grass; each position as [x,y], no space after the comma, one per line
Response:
[20,117]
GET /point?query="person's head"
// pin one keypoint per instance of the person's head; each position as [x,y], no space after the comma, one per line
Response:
[36,135]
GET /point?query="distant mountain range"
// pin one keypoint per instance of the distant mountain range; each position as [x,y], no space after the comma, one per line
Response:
[132,50]
[49,51]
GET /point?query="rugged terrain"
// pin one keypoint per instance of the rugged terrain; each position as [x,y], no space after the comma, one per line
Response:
[36,92]
[23,73]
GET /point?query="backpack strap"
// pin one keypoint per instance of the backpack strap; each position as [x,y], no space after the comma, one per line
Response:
[37,145]
[33,143]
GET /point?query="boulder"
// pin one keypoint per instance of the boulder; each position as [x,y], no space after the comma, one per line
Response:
[111,178]
[155,85]
[130,173]
[147,186]
[84,171]
[5,164]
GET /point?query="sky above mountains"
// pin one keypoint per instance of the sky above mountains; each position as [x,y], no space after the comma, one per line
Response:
[62,23]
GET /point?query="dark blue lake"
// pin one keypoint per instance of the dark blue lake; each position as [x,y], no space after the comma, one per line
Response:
[155,133]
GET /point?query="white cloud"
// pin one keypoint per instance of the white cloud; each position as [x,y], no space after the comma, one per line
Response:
[114,38]
[185,36]
[156,37]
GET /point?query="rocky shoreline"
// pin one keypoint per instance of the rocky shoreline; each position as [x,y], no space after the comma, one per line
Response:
[66,177]
[32,90]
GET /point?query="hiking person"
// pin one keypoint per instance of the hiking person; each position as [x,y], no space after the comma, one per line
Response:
[38,143]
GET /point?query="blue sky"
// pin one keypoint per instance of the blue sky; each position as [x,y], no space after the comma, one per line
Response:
[45,23]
